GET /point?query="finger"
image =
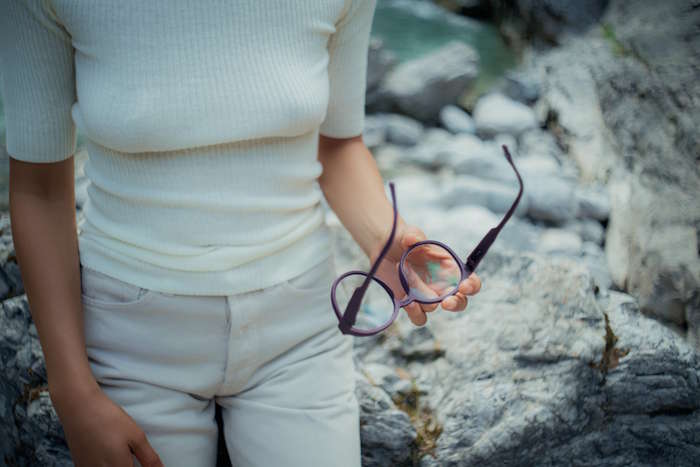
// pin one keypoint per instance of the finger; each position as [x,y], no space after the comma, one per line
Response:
[471,285]
[144,452]
[411,235]
[430,252]
[418,285]
[456,302]
[428,307]
[415,314]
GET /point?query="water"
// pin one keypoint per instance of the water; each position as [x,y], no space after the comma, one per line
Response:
[411,28]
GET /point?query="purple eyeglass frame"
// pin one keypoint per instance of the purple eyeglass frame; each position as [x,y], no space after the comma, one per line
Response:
[347,319]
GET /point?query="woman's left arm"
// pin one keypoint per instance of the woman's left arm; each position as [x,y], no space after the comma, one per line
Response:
[354,189]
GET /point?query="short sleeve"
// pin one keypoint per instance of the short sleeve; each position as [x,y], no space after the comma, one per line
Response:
[38,82]
[347,71]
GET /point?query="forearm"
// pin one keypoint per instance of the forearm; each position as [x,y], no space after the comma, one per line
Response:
[354,189]
[45,239]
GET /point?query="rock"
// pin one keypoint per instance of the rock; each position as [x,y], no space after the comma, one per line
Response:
[394,128]
[559,241]
[549,20]
[588,229]
[379,62]
[521,87]
[497,197]
[389,157]
[650,100]
[652,250]
[627,109]
[655,372]
[472,8]
[386,432]
[559,390]
[534,167]
[542,147]
[387,378]
[31,433]
[504,139]
[569,91]
[422,86]
[426,152]
[551,199]
[402,130]
[416,191]
[495,113]
[594,259]
[456,120]
[518,236]
[469,155]
[374,131]
[593,203]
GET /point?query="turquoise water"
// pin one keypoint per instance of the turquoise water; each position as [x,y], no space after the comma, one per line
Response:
[411,28]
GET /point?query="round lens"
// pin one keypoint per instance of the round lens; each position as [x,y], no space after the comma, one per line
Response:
[431,272]
[376,307]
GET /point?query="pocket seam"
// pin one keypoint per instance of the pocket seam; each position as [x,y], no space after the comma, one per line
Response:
[143,294]
[98,303]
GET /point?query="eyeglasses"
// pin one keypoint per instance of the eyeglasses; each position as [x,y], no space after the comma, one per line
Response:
[429,271]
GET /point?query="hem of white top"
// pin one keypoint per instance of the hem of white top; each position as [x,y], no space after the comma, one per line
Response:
[258,274]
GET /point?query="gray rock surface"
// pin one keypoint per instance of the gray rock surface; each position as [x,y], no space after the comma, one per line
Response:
[495,113]
[521,87]
[497,197]
[551,199]
[422,86]
[549,20]
[456,120]
[30,433]
[541,375]
[593,202]
[627,109]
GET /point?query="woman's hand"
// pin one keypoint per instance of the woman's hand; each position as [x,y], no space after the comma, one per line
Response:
[99,432]
[388,271]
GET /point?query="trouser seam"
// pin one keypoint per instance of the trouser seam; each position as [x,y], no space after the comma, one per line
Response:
[228,344]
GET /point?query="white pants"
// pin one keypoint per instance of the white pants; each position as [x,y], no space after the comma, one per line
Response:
[273,359]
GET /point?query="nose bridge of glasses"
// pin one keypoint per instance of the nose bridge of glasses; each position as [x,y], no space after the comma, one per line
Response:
[405,301]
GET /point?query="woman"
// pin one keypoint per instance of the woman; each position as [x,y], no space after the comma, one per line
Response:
[201,272]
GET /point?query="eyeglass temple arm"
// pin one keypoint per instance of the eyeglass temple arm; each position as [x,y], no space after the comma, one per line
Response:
[353,306]
[483,247]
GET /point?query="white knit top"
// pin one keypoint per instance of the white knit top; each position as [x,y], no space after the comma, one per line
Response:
[201,121]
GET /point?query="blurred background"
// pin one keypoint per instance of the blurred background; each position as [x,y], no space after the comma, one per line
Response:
[582,347]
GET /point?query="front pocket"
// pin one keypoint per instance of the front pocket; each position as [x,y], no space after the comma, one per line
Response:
[317,279]
[104,291]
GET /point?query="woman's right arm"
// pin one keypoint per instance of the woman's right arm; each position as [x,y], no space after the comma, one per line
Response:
[42,215]
[38,91]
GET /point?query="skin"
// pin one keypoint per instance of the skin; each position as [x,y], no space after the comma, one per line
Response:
[44,230]
[43,220]
[351,182]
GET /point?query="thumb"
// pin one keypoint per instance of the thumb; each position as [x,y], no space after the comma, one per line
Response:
[411,235]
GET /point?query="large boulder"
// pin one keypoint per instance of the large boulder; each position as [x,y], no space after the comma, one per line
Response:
[542,370]
[627,108]
[421,87]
